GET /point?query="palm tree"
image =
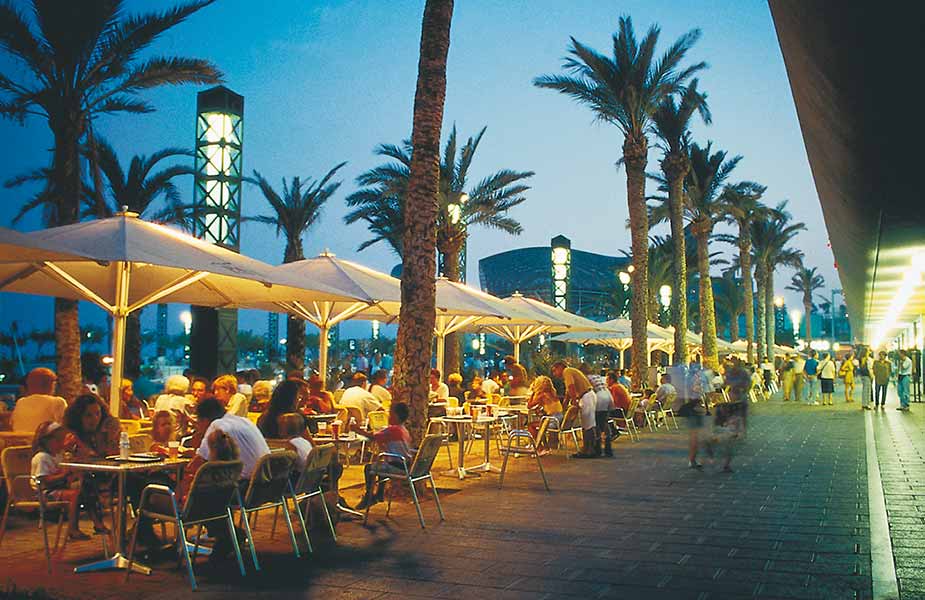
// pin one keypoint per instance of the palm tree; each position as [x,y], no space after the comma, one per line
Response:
[742,207]
[730,300]
[708,173]
[80,61]
[626,90]
[460,205]
[806,282]
[295,211]
[418,282]
[770,239]
[671,122]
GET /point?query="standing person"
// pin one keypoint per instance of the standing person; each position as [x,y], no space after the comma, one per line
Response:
[786,377]
[903,379]
[798,365]
[883,369]
[362,363]
[602,408]
[811,378]
[40,404]
[865,372]
[846,372]
[827,378]
[579,391]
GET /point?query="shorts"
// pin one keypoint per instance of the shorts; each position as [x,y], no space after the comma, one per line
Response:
[827,385]
[694,421]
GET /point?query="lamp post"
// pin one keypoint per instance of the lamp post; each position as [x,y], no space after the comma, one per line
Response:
[217,218]
[454,215]
[561,257]
[664,296]
[795,315]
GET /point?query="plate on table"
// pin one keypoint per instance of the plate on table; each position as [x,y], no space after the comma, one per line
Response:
[138,457]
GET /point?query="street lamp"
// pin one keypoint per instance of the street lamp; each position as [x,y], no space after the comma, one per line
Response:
[664,295]
[795,316]
[375,329]
[561,270]
[624,278]
[186,317]
[779,301]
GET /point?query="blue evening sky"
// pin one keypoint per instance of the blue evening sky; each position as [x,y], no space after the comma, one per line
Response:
[326,82]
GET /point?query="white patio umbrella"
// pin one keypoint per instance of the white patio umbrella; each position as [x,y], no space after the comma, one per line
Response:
[22,247]
[539,317]
[618,334]
[123,264]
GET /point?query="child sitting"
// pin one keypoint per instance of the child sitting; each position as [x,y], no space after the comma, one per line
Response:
[58,482]
[394,439]
[292,427]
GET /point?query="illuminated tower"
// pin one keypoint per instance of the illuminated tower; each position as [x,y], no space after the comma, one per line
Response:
[217,218]
[561,271]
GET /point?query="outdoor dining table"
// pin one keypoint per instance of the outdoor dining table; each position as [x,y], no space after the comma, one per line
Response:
[120,469]
[460,423]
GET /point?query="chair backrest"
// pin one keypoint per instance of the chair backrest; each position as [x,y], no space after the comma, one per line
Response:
[568,419]
[17,461]
[140,442]
[631,410]
[541,432]
[338,394]
[319,459]
[427,452]
[378,419]
[212,490]
[269,479]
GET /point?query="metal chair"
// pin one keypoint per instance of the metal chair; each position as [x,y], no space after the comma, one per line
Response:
[268,487]
[419,471]
[568,427]
[211,495]
[629,425]
[309,485]
[375,421]
[443,429]
[526,445]
[25,492]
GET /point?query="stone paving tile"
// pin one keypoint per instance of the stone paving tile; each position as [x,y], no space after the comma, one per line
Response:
[790,522]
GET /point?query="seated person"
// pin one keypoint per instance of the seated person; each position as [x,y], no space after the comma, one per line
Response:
[454,384]
[131,407]
[618,391]
[225,388]
[291,428]
[394,439]
[284,401]
[438,391]
[476,391]
[319,400]
[544,398]
[40,404]
[59,483]
[379,389]
[174,399]
[666,392]
[358,397]
[163,431]
[494,384]
[262,391]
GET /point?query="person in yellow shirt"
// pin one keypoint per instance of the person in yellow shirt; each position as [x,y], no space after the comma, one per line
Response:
[579,391]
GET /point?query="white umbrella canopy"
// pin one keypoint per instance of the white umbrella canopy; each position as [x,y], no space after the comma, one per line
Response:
[123,264]
[537,317]
[619,335]
[21,247]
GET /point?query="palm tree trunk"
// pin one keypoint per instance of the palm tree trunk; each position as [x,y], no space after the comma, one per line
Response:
[734,327]
[745,264]
[295,326]
[761,336]
[807,310]
[707,307]
[634,158]
[451,354]
[132,361]
[418,286]
[769,306]
[66,184]
[675,168]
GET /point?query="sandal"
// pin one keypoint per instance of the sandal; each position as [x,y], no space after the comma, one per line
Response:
[77,536]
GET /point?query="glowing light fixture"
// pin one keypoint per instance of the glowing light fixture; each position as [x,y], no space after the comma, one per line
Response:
[561,270]
[664,295]
[475,344]
[779,301]
[375,329]
[624,278]
[186,317]
[900,298]
[795,316]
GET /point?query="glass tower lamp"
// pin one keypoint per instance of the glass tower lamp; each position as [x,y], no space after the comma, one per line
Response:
[561,257]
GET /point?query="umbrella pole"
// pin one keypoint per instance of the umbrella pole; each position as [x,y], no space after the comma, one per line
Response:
[517,351]
[323,354]
[118,336]
[441,352]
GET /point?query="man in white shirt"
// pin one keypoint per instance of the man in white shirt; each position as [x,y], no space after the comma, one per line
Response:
[251,444]
[490,385]
[903,378]
[40,404]
[356,396]
[438,391]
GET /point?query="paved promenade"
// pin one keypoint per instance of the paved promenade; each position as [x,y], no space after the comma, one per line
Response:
[792,521]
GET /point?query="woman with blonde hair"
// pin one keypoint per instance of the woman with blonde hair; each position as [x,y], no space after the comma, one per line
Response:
[225,388]
[131,407]
[543,396]
[846,372]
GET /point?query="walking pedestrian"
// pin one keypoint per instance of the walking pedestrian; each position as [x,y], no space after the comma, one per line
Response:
[786,377]
[865,372]
[827,378]
[846,372]
[883,368]
[798,377]
[903,378]
[811,378]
